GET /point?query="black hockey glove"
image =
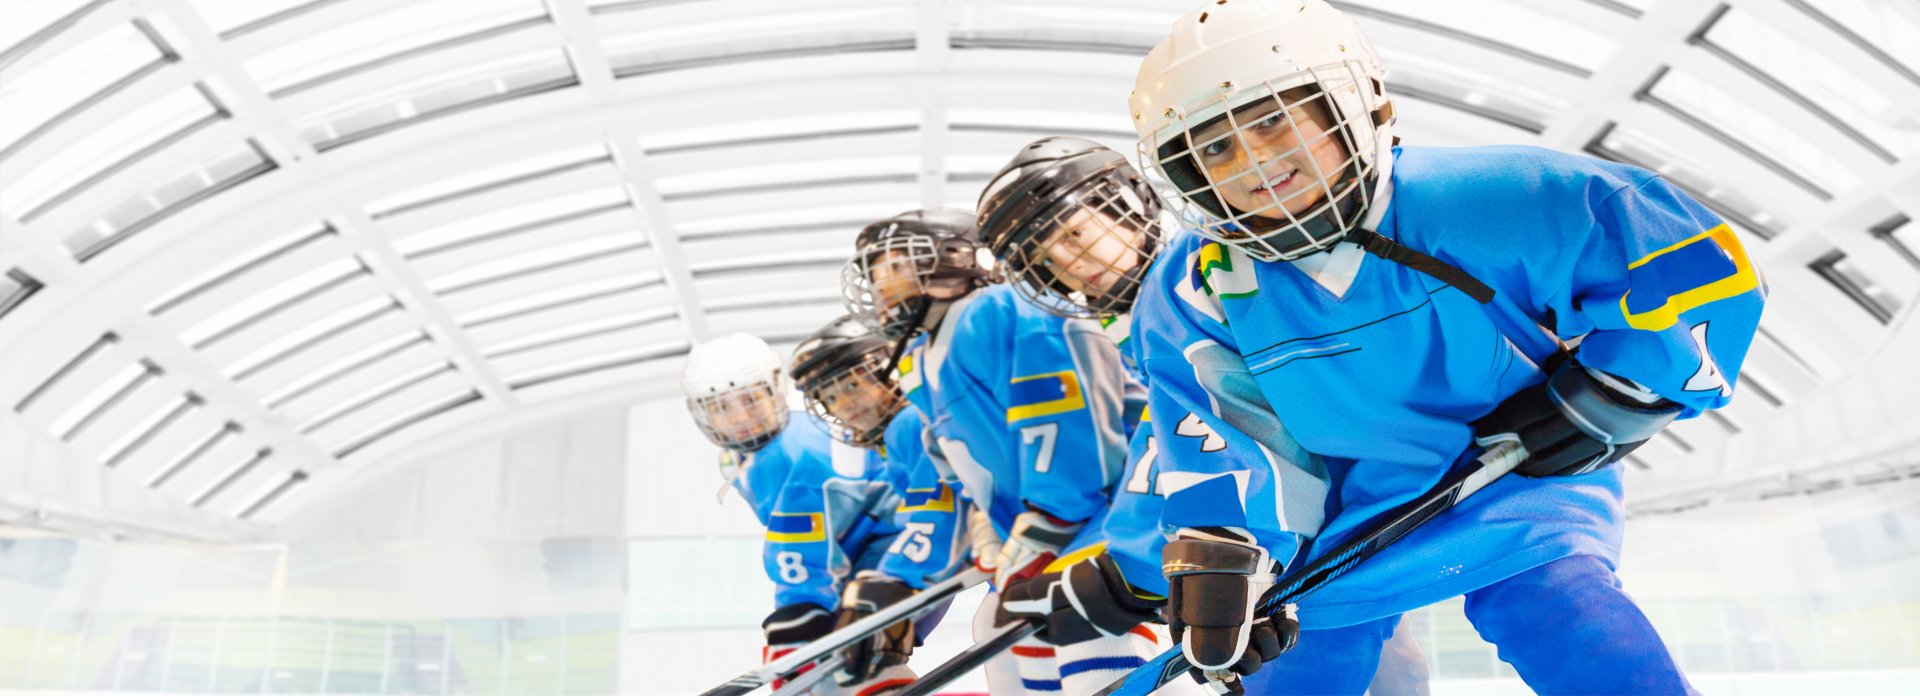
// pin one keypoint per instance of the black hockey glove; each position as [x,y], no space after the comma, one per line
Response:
[795,624]
[867,593]
[1081,602]
[1214,578]
[1577,421]
[792,626]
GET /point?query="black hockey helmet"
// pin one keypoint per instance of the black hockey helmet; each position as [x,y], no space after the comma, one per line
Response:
[1067,210]
[928,255]
[844,374]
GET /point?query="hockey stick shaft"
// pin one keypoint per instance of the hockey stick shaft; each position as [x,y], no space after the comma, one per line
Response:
[1383,532]
[972,658]
[850,634]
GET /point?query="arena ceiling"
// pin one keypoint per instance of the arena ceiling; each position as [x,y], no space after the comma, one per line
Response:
[253,250]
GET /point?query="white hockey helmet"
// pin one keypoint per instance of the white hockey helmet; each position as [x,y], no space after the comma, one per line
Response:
[736,388]
[1239,62]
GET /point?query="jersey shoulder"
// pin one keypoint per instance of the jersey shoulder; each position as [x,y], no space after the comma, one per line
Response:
[1495,179]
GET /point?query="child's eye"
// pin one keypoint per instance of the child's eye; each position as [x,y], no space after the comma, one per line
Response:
[1215,148]
[1270,121]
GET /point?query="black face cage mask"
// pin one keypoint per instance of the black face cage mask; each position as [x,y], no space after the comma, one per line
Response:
[1106,225]
[844,387]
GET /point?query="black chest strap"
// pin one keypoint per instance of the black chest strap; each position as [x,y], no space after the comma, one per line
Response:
[1401,254]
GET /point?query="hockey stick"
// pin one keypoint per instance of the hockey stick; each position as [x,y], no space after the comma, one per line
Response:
[1389,528]
[972,658]
[801,684]
[849,634]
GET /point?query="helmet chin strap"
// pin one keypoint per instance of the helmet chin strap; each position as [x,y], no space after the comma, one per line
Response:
[914,325]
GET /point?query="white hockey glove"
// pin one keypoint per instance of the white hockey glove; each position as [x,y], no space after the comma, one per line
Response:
[985,541]
[1035,540]
[1577,421]
[869,592]
[1215,576]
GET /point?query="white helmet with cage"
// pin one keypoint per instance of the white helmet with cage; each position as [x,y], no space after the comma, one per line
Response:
[736,387]
[1239,112]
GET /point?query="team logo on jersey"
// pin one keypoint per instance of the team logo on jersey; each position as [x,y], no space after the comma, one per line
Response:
[1227,272]
[910,379]
[936,499]
[1700,270]
[796,528]
[1047,394]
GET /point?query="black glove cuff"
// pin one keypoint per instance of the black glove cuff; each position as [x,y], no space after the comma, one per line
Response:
[1202,556]
[797,623]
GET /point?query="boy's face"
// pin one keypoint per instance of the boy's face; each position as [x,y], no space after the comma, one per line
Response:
[743,415]
[1276,160]
[896,280]
[860,398]
[1090,251]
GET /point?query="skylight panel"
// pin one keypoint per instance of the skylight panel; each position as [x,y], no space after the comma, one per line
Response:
[720,128]
[227,15]
[379,309]
[485,217]
[28,17]
[1509,23]
[255,262]
[101,396]
[31,185]
[1758,136]
[1848,101]
[149,431]
[405,26]
[378,110]
[205,178]
[237,310]
[1889,29]
[364,355]
[367,376]
[481,180]
[223,438]
[64,80]
[1854,282]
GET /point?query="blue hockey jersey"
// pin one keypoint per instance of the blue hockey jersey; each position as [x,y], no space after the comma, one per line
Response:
[1299,413]
[828,508]
[931,545]
[1029,409]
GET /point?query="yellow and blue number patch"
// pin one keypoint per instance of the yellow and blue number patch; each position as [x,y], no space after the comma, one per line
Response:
[796,528]
[1034,396]
[936,499]
[1700,270]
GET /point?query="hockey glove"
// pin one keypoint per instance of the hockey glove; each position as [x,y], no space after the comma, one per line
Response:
[1215,576]
[867,593]
[1034,541]
[792,626]
[1083,601]
[1577,421]
[985,541]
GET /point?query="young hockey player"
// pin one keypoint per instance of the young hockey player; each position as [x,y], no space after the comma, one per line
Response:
[844,372]
[1352,319]
[1028,413]
[1075,228]
[828,506]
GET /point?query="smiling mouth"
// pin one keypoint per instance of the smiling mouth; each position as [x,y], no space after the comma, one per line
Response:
[1276,184]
